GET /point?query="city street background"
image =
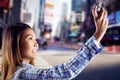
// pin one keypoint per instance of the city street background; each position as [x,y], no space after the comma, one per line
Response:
[61,27]
[105,66]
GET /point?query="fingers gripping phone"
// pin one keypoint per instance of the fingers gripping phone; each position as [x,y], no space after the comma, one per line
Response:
[99,4]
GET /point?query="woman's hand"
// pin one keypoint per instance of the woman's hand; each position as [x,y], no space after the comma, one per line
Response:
[101,23]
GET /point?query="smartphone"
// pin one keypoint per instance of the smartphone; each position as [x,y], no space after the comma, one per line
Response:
[99,4]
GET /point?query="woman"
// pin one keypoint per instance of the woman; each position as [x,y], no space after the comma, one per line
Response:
[19,51]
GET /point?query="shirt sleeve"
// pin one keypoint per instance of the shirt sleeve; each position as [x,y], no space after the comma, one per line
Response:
[68,70]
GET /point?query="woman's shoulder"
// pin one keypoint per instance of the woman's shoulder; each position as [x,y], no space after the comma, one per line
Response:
[25,73]
[20,71]
[17,73]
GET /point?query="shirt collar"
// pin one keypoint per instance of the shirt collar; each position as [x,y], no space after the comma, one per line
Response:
[26,65]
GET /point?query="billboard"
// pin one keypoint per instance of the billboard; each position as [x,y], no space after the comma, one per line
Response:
[114,17]
[117,14]
[4,4]
[49,9]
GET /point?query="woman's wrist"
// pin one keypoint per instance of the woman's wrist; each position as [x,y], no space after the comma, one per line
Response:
[98,36]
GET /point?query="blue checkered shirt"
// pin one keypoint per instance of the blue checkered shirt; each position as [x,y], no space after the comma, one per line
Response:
[65,71]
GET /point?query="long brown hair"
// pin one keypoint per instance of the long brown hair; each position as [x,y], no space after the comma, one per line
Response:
[11,55]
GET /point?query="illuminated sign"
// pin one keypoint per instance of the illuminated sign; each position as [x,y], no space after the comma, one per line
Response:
[49,8]
[4,3]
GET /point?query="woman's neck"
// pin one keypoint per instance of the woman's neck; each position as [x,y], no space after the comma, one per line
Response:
[26,60]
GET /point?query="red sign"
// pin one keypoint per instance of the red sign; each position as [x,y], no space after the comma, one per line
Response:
[4,3]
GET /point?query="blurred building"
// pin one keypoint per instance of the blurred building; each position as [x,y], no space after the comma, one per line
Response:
[4,5]
[14,12]
[62,10]
[113,7]
[30,11]
[41,13]
[9,14]
[10,11]
[78,5]
[78,11]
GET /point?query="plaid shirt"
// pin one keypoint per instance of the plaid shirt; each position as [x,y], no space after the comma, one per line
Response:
[65,71]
